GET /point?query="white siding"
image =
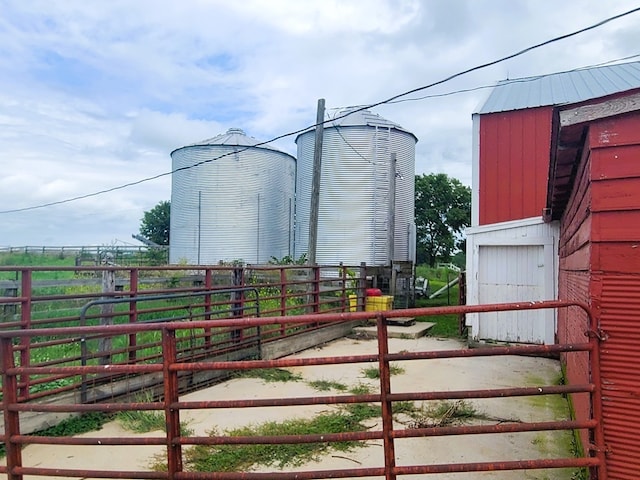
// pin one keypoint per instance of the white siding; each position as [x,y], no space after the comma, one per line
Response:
[512,262]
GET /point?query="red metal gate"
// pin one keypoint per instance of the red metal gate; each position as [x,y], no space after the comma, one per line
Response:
[13,375]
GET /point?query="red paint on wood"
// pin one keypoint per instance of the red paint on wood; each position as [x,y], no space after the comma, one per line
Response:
[615,131]
[617,226]
[618,257]
[514,163]
[615,162]
[576,221]
[616,195]
[578,260]
[599,263]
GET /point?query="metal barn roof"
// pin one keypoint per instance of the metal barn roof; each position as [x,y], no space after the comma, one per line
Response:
[562,88]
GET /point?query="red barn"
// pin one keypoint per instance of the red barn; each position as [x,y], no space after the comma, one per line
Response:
[512,253]
[556,214]
[594,193]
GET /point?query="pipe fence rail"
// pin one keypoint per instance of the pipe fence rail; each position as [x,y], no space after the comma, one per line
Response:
[47,297]
[172,368]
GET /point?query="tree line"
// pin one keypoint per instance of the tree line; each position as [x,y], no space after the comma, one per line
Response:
[442,212]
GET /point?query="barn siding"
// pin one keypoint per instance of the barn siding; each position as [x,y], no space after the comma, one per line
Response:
[615,289]
[574,281]
[619,313]
[600,264]
[514,164]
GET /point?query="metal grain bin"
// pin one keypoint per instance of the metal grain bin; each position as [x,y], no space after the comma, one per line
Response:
[231,200]
[366,211]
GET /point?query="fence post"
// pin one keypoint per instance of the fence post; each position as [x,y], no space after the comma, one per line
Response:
[106,310]
[11,418]
[362,285]
[283,292]
[237,306]
[9,309]
[208,285]
[133,308]
[316,289]
[25,324]
[172,415]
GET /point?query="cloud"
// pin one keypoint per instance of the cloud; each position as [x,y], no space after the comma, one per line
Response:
[97,94]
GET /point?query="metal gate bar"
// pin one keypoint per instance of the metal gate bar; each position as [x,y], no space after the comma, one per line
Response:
[172,407]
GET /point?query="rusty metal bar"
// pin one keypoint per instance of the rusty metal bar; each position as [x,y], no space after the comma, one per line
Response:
[298,319]
[172,405]
[133,315]
[385,391]
[69,473]
[599,448]
[301,401]
[88,441]
[11,419]
[171,395]
[499,466]
[25,323]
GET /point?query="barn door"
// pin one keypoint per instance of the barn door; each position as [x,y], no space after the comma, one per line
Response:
[514,273]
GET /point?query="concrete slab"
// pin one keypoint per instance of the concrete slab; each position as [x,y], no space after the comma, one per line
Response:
[416,330]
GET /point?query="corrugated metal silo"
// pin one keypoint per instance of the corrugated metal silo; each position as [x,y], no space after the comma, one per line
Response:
[367,186]
[231,199]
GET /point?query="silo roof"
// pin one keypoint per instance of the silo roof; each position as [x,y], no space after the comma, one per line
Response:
[561,88]
[358,118]
[233,137]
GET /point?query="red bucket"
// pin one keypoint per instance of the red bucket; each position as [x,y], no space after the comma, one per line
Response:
[373,292]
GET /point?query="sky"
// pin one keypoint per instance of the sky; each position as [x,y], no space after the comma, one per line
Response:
[96,94]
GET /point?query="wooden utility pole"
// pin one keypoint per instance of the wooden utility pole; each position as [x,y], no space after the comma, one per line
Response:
[315,185]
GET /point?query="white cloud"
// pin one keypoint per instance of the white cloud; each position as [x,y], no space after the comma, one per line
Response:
[97,94]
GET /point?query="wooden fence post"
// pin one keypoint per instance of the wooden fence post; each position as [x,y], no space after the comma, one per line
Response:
[106,310]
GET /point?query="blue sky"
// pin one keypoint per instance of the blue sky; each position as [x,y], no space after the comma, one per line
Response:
[97,94]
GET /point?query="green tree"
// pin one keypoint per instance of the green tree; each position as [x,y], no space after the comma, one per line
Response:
[155,223]
[443,211]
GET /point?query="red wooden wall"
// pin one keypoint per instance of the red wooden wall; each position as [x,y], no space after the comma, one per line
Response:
[600,263]
[513,164]
[574,249]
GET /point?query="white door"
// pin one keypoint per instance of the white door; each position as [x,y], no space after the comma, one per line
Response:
[514,273]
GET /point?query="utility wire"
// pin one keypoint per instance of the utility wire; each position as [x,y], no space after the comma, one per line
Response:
[350,112]
[508,82]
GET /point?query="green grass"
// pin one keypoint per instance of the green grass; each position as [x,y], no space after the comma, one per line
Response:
[327,385]
[142,421]
[374,372]
[445,325]
[442,413]
[271,375]
[242,458]
[87,422]
[234,458]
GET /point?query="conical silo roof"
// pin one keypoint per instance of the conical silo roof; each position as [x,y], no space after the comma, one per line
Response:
[344,118]
[234,137]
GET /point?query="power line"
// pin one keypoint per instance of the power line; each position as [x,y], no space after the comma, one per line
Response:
[510,81]
[392,99]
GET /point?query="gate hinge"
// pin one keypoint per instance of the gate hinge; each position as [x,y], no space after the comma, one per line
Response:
[599,334]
